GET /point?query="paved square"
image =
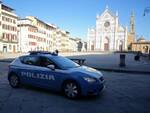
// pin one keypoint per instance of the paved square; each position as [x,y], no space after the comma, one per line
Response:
[124,93]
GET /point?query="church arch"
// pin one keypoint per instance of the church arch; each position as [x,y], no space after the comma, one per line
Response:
[106,44]
[120,45]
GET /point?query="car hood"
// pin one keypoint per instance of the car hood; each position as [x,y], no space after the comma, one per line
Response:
[88,71]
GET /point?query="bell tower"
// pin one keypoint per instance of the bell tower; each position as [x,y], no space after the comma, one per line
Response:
[131,34]
[132,23]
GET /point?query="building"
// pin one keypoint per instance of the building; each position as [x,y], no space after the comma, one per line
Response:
[141,45]
[35,34]
[27,35]
[131,33]
[73,45]
[64,47]
[61,42]
[91,38]
[108,35]
[31,34]
[8,29]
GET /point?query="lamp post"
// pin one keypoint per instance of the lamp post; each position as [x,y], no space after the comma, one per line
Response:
[146,11]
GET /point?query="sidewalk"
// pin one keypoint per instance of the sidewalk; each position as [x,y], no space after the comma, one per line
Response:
[104,61]
[110,62]
[8,57]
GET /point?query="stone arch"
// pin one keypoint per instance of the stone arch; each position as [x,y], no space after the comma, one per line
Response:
[120,45]
[146,49]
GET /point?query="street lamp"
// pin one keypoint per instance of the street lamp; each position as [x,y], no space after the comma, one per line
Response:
[146,10]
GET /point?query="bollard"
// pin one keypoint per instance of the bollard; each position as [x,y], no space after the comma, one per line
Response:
[122,60]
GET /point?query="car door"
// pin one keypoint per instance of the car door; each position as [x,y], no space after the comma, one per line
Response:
[50,78]
[28,69]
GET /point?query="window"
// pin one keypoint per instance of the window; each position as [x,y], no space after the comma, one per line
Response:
[65,63]
[44,62]
[14,21]
[30,60]
[3,26]
[3,18]
[10,47]
[3,36]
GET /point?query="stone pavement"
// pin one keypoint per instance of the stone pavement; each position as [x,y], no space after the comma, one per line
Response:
[14,55]
[110,62]
[103,61]
[123,93]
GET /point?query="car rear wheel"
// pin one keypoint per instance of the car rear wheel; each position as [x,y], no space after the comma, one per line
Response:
[14,81]
[71,90]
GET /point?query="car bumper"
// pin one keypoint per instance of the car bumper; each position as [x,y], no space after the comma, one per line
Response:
[92,89]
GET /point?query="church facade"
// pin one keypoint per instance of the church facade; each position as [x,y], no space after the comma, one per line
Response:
[108,35]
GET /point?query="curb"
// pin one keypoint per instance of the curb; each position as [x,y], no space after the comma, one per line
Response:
[123,71]
[7,61]
[104,69]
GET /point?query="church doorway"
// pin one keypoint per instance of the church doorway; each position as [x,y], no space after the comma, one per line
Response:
[106,44]
[121,46]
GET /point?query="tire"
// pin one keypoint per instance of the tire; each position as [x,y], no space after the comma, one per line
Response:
[14,81]
[71,90]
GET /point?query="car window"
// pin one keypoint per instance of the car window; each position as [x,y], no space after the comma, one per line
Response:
[44,62]
[30,60]
[65,63]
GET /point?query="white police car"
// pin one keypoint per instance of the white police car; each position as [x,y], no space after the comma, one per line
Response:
[47,70]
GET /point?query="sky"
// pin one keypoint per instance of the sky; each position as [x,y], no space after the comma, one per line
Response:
[76,16]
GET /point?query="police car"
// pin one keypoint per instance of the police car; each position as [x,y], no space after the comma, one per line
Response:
[54,72]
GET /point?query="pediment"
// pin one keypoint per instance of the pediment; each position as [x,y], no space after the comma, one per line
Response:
[107,14]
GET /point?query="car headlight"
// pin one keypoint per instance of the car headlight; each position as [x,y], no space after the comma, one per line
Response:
[90,80]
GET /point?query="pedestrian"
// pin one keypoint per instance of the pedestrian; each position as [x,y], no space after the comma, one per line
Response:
[56,51]
[137,57]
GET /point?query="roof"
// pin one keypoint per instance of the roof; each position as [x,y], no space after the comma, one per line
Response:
[108,11]
[40,21]
[43,53]
[7,8]
[141,38]
[146,42]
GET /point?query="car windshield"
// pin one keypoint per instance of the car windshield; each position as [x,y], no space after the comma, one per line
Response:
[65,63]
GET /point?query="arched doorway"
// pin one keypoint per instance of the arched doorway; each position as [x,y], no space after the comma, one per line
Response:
[120,45]
[146,49]
[106,44]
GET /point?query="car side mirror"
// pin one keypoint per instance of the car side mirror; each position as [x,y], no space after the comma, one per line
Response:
[52,67]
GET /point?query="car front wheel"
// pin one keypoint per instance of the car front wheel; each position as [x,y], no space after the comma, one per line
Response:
[14,81]
[71,90]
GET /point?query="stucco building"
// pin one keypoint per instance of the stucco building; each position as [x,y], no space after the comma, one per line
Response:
[35,34]
[141,45]
[8,29]
[73,45]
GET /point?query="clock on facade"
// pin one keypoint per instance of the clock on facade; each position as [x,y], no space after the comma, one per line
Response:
[107,24]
